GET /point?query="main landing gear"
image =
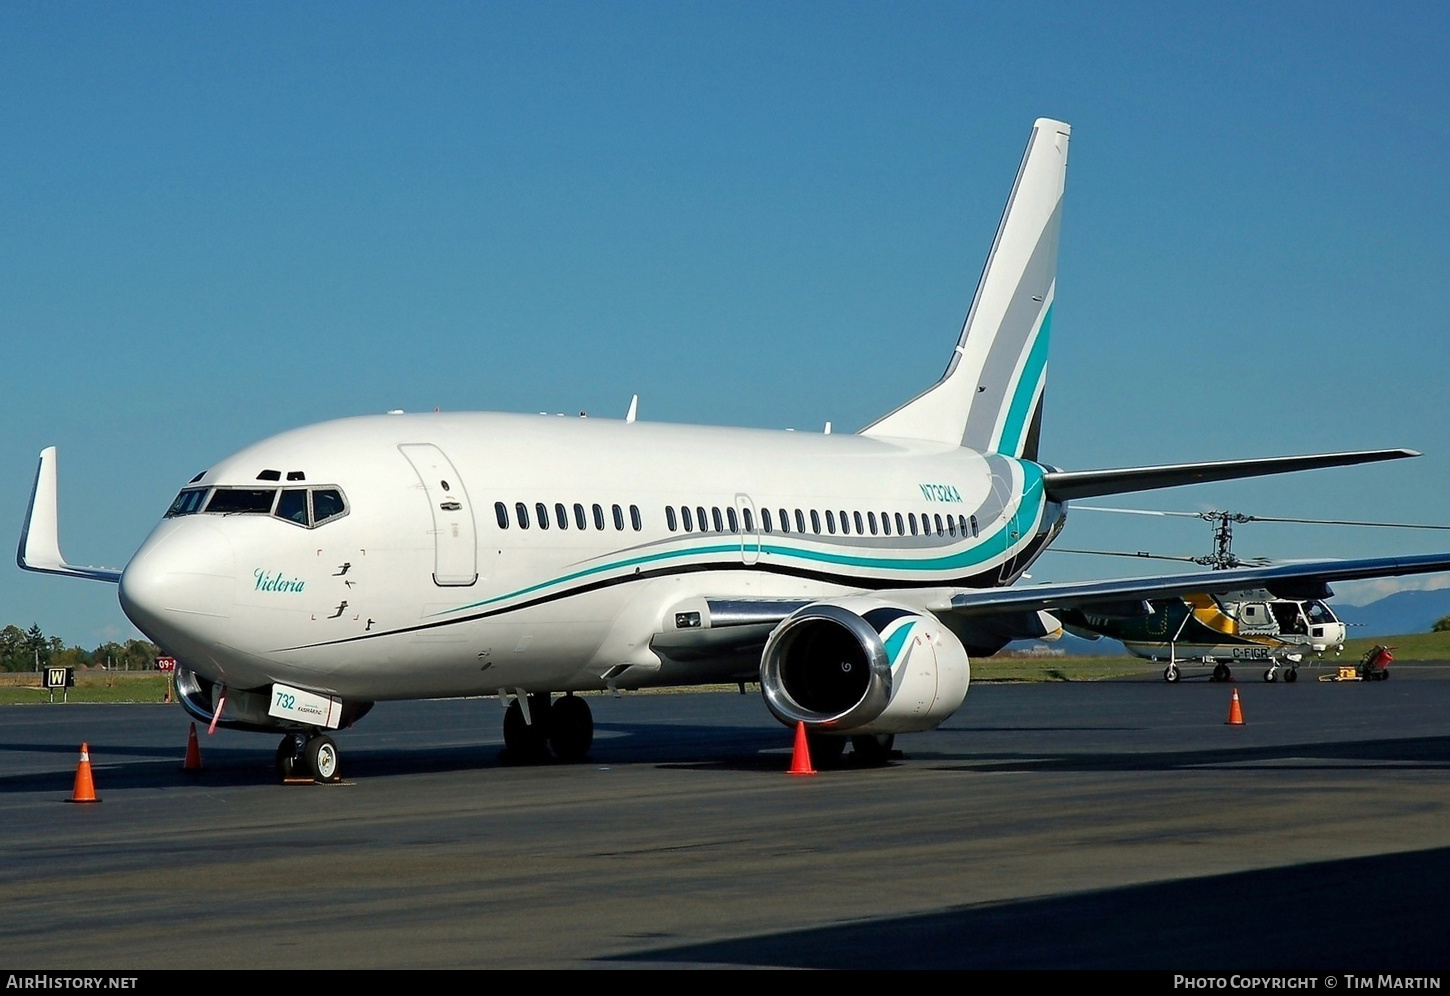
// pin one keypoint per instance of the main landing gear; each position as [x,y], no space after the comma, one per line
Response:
[562,729]
[302,755]
[1291,675]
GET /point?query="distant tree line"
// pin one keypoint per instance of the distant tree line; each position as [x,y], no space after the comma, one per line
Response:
[25,649]
[1441,626]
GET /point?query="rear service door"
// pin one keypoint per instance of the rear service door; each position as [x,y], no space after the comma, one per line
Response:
[455,543]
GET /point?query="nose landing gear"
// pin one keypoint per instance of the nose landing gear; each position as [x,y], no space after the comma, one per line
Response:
[304,756]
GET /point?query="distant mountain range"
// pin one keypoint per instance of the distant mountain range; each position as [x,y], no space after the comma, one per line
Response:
[1393,615]
[1402,612]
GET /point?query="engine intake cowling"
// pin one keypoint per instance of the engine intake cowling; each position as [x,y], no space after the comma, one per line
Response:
[862,665]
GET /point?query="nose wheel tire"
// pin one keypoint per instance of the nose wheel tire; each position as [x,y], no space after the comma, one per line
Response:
[299,756]
[322,759]
[1170,673]
[1271,675]
[289,752]
[1292,674]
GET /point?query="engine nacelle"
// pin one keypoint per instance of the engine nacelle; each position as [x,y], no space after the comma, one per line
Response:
[862,665]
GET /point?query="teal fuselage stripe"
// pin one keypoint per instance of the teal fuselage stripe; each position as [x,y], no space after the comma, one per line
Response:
[990,546]
[1021,409]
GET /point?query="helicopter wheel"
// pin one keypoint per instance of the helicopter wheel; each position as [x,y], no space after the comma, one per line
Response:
[1271,675]
[1293,674]
[1170,673]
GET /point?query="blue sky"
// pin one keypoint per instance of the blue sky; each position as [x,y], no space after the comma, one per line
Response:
[223,220]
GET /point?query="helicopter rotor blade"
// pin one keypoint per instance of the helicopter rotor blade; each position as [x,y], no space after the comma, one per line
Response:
[1346,522]
[1141,554]
[1242,517]
[1133,511]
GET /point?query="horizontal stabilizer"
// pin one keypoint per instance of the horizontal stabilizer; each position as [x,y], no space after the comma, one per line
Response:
[1073,485]
[40,536]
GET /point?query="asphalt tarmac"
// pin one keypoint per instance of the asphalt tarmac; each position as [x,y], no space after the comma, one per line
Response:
[1114,824]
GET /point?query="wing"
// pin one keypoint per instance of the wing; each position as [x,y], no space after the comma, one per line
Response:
[1303,580]
[707,628]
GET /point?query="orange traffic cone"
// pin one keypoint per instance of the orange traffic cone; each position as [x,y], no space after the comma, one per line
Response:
[800,759]
[193,752]
[85,787]
[1235,711]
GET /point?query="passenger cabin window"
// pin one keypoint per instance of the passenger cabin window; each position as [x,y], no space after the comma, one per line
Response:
[732,519]
[521,512]
[618,517]
[765,519]
[815,522]
[670,518]
[501,511]
[542,511]
[700,515]
[749,519]
[901,525]
[579,519]
[561,515]
[973,521]
[635,519]
[598,517]
[718,522]
[685,515]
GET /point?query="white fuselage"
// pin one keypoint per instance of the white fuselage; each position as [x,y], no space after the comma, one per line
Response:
[419,589]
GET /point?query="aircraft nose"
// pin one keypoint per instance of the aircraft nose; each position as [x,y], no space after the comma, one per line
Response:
[180,586]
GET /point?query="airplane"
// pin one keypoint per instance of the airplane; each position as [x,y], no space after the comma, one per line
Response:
[1218,629]
[853,576]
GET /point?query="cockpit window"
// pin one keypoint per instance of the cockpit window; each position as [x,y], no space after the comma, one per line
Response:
[292,506]
[1318,613]
[243,501]
[327,504]
[188,502]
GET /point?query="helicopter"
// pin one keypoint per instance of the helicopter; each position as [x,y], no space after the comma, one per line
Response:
[1280,628]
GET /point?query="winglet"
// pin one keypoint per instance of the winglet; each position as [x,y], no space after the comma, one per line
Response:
[40,536]
[633,412]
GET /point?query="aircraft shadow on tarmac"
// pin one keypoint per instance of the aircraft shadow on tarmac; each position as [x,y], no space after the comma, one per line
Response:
[1373,914]
[720,748]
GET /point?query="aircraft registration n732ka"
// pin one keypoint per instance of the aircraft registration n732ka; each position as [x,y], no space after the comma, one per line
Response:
[854,577]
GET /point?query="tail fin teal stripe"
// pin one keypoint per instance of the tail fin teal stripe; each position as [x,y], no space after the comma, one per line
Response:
[1034,373]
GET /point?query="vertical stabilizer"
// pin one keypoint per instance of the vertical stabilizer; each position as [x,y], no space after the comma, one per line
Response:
[990,397]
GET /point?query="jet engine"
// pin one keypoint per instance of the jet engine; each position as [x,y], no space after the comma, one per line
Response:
[861,665]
